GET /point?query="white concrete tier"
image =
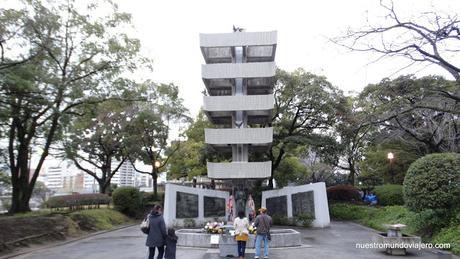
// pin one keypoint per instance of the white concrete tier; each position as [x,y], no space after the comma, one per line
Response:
[239,170]
[238,70]
[238,103]
[238,136]
[238,39]
[257,46]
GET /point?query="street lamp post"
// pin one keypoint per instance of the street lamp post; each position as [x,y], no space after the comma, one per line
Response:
[390,157]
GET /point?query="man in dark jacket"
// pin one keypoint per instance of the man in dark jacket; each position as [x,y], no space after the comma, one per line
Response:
[157,233]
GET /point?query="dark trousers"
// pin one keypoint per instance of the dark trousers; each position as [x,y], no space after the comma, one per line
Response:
[161,250]
[241,248]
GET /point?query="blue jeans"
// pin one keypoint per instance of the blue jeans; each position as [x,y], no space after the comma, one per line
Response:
[241,248]
[259,239]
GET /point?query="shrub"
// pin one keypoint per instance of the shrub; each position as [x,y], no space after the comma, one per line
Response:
[428,222]
[343,193]
[449,235]
[433,182]
[127,200]
[344,211]
[303,220]
[389,194]
[78,201]
[189,223]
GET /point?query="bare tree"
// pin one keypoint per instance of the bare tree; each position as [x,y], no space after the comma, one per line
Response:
[431,38]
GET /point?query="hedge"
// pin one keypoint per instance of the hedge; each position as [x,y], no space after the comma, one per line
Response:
[390,194]
[433,182]
[343,193]
[78,201]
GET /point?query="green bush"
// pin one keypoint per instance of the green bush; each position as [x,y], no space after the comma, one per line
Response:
[345,211]
[343,193]
[450,234]
[303,220]
[433,182]
[127,200]
[428,222]
[389,194]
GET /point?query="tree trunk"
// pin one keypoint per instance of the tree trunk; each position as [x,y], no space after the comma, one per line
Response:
[351,176]
[155,185]
[102,186]
[20,199]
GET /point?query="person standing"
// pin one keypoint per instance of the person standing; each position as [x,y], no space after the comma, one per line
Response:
[171,243]
[156,237]
[241,224]
[263,223]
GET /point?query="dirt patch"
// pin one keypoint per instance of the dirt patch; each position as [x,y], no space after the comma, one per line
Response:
[20,232]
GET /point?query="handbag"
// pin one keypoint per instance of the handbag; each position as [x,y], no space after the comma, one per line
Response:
[269,237]
[145,225]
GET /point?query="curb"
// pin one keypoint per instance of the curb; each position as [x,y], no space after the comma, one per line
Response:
[73,240]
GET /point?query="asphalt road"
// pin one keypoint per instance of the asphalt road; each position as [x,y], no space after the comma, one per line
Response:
[337,241]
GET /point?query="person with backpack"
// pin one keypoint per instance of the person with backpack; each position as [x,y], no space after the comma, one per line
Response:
[263,223]
[156,237]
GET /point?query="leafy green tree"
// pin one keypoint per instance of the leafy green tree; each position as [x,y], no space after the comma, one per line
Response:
[377,166]
[148,132]
[190,157]
[305,108]
[96,140]
[343,146]
[412,111]
[56,57]
[291,170]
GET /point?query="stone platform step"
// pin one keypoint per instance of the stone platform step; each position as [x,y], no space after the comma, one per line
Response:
[214,254]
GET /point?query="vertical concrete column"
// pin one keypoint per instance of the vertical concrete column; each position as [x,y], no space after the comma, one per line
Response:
[289,205]
[239,151]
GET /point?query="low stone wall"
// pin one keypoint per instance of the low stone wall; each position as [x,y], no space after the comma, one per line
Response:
[290,201]
[189,207]
[196,238]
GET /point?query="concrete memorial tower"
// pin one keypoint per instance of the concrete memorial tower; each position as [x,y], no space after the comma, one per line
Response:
[239,76]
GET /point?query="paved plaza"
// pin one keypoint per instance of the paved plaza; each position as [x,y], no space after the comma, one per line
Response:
[337,241]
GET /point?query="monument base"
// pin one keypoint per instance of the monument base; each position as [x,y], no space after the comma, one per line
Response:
[196,238]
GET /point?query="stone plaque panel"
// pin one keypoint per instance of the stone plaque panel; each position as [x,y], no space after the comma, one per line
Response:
[214,207]
[303,203]
[186,205]
[277,206]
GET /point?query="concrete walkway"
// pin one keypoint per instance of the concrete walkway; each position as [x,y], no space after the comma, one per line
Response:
[337,241]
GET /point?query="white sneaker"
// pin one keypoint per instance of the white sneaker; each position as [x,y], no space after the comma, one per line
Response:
[256,257]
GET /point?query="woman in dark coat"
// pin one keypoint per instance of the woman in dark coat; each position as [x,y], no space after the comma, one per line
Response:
[157,233]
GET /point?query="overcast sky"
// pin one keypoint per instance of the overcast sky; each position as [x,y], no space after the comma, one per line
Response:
[169,32]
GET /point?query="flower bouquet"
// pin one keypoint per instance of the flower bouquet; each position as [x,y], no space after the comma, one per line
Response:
[214,228]
[252,229]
